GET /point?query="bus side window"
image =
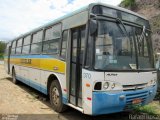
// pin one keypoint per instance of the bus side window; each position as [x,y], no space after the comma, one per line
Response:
[82,42]
[64,44]
[19,46]
[26,45]
[36,45]
[13,47]
[52,38]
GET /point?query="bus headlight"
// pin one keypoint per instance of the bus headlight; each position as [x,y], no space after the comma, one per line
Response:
[106,85]
[113,85]
[152,82]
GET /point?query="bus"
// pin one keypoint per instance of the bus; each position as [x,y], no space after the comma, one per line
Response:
[98,60]
[157,65]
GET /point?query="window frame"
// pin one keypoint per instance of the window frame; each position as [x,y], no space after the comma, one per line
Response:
[27,44]
[40,42]
[61,44]
[59,41]
[14,47]
[19,46]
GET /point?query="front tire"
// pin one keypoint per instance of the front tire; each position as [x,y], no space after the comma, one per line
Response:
[55,94]
[14,80]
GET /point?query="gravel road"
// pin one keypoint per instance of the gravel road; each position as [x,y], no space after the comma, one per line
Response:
[20,102]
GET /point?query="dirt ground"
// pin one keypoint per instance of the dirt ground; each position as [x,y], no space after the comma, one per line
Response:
[20,102]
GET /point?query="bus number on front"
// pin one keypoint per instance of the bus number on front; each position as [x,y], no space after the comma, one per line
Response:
[87,75]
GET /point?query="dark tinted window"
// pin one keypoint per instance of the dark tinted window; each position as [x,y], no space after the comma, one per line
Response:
[104,10]
[98,9]
[135,19]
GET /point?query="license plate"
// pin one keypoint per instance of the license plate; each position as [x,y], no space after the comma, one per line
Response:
[137,101]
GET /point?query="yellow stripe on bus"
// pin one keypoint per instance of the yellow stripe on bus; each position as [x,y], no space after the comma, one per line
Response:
[41,63]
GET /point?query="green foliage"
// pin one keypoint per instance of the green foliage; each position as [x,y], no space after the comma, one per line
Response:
[1,56]
[158,95]
[145,109]
[129,3]
[2,46]
[2,49]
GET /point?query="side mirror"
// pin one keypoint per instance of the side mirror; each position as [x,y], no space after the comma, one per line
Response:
[93,26]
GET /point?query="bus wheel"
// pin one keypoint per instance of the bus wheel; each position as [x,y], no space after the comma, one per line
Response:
[56,97]
[14,80]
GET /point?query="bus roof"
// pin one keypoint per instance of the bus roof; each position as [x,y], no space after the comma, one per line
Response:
[121,9]
[76,12]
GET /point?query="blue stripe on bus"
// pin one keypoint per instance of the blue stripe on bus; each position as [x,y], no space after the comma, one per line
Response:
[38,87]
[106,103]
[33,56]
[33,84]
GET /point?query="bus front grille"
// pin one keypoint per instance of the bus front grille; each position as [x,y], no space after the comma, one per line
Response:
[130,97]
[134,87]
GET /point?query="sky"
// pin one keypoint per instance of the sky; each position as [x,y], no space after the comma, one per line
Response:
[20,16]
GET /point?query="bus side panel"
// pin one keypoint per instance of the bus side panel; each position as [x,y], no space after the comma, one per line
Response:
[34,76]
[22,74]
[61,78]
[6,64]
[76,20]
[89,77]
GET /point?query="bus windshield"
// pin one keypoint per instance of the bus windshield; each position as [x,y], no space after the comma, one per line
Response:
[114,50]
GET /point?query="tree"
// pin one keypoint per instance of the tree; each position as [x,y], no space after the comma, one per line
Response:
[2,48]
[131,4]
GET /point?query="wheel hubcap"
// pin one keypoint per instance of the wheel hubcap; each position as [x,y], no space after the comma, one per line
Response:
[55,96]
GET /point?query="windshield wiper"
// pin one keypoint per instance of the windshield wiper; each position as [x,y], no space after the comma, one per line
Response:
[120,21]
[142,34]
[140,40]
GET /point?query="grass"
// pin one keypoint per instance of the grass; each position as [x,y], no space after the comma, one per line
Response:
[151,109]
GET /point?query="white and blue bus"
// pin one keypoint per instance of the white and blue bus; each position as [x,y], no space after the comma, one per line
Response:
[98,60]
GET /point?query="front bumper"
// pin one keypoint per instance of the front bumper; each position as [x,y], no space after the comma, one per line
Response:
[107,102]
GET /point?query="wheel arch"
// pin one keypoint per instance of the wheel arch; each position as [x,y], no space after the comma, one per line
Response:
[12,69]
[51,78]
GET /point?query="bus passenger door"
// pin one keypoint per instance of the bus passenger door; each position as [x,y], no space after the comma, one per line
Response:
[76,57]
[7,59]
[9,54]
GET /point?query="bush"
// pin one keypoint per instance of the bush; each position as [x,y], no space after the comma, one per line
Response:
[131,4]
[1,56]
[157,96]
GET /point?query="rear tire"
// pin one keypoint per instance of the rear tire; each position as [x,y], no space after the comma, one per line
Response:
[55,94]
[14,80]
